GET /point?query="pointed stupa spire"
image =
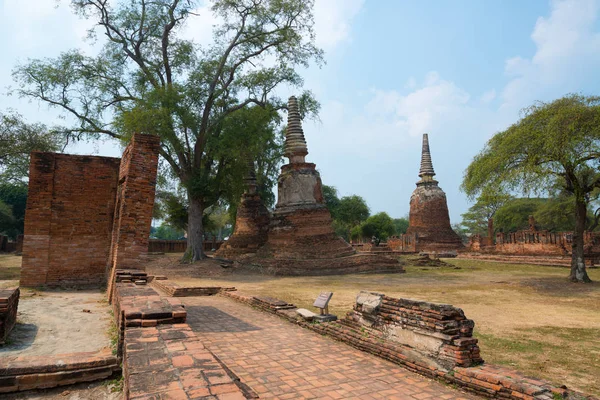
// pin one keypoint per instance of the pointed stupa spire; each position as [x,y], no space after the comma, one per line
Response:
[295,145]
[426,173]
[250,179]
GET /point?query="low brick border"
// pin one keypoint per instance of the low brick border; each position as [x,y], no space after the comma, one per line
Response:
[173,289]
[43,372]
[487,380]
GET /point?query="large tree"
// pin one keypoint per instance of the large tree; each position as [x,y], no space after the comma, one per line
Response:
[149,79]
[554,144]
[475,220]
[17,140]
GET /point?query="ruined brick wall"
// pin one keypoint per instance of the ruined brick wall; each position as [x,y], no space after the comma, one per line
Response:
[406,243]
[135,201]
[439,332]
[534,243]
[9,302]
[85,213]
[68,219]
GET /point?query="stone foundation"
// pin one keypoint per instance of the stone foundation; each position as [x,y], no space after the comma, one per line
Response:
[9,302]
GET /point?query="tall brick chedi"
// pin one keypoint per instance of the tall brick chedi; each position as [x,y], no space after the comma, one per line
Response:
[251,222]
[301,238]
[428,217]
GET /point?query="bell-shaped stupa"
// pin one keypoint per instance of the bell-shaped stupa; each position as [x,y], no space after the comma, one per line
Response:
[251,222]
[301,239]
[428,217]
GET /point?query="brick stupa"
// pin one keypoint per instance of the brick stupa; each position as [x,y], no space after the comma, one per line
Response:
[301,238]
[251,223]
[428,217]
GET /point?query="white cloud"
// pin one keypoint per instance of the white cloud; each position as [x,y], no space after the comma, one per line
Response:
[427,107]
[332,21]
[567,54]
[488,96]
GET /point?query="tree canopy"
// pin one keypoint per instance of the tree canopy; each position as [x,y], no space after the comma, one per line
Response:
[555,144]
[147,78]
[17,140]
[380,225]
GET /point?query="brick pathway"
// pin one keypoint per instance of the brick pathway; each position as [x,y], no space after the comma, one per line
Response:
[280,360]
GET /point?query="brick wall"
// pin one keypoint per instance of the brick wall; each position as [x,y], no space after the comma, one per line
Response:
[9,302]
[68,219]
[134,204]
[86,214]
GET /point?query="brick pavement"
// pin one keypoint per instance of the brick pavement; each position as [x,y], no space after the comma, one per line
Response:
[280,360]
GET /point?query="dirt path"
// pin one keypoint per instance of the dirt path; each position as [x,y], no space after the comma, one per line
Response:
[279,360]
[54,322]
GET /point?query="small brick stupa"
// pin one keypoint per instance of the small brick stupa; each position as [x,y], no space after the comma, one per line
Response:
[251,222]
[301,237]
[428,217]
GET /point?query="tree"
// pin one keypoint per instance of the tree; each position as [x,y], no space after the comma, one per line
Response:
[332,200]
[17,140]
[380,225]
[148,79]
[400,226]
[14,198]
[554,144]
[475,220]
[167,232]
[351,212]
[514,214]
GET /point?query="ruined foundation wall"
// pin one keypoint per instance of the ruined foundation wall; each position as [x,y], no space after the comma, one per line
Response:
[68,220]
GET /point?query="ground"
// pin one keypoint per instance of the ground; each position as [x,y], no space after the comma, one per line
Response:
[528,317]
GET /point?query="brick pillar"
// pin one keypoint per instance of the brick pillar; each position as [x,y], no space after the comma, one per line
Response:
[135,201]
[36,242]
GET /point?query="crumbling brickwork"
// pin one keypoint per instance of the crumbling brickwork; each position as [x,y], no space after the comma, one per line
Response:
[85,213]
[9,302]
[68,220]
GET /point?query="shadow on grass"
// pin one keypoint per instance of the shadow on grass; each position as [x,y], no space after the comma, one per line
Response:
[561,287]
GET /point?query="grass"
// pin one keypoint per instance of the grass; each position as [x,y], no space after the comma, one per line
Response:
[528,317]
[10,270]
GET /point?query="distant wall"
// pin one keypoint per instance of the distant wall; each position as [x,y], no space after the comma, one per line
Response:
[528,242]
[178,246]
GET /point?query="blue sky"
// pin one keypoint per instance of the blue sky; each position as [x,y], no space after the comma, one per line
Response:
[458,70]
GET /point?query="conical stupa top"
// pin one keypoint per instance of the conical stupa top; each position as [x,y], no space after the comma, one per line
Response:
[426,170]
[295,145]
[250,179]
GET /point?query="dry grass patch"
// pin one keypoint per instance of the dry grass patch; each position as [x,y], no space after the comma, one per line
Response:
[526,316]
[10,270]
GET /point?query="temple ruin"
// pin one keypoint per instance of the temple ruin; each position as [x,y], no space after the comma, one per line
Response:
[300,238]
[88,215]
[429,223]
[251,222]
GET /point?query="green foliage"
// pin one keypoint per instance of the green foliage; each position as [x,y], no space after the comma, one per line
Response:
[380,225]
[514,215]
[475,220]
[352,210]
[17,140]
[553,145]
[199,100]
[332,200]
[12,213]
[167,232]
[400,226]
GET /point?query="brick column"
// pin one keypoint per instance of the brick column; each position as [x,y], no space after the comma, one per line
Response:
[135,201]
[36,242]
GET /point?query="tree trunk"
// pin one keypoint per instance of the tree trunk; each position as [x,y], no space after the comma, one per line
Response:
[195,250]
[578,272]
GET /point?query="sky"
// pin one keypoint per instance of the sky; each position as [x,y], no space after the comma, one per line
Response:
[459,70]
